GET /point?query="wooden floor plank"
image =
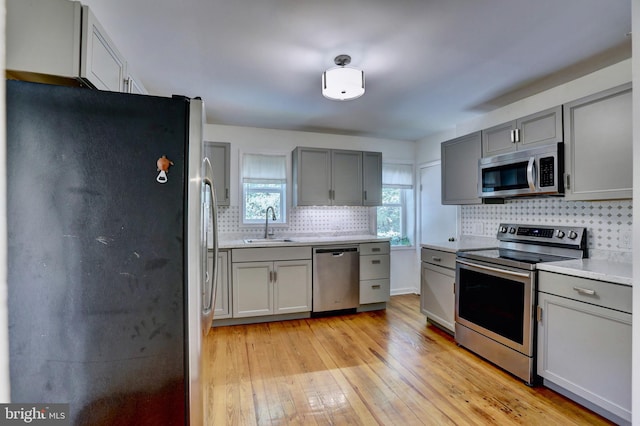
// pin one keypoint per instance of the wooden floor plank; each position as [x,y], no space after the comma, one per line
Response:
[383,367]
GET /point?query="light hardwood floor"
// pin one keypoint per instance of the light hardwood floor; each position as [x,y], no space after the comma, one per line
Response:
[383,367]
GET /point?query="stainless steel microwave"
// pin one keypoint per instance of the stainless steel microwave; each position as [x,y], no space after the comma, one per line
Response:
[536,171]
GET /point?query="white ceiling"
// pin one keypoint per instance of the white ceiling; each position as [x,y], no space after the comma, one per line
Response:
[429,64]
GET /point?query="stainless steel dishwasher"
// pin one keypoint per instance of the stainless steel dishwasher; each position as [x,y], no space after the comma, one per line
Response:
[336,278]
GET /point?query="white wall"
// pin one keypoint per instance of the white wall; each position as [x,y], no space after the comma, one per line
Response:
[405,276]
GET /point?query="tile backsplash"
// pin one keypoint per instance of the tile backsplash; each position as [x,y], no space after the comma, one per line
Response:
[302,220]
[608,223]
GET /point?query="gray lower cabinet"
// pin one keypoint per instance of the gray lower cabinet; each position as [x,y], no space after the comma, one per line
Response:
[437,285]
[219,154]
[375,279]
[584,342]
[541,128]
[222,308]
[271,281]
[598,146]
[459,159]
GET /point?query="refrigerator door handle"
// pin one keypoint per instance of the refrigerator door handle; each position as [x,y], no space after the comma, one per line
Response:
[209,218]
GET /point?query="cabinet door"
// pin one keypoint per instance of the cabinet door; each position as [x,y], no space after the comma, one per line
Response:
[372,178]
[346,178]
[134,85]
[100,62]
[43,37]
[222,307]
[598,146]
[586,349]
[437,297]
[542,128]
[219,154]
[292,290]
[312,176]
[460,169]
[498,139]
[252,289]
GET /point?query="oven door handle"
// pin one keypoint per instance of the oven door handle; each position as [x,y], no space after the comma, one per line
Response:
[489,268]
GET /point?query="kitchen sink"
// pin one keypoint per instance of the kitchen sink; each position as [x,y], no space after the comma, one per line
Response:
[268,240]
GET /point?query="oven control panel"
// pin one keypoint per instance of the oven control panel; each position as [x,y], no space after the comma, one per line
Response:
[538,233]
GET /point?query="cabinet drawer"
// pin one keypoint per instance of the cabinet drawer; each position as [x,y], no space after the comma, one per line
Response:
[374,291]
[439,257]
[374,267]
[605,294]
[374,248]
[260,254]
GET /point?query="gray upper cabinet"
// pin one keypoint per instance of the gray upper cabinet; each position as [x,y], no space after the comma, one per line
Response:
[333,177]
[219,154]
[346,178]
[459,159]
[372,178]
[64,39]
[311,177]
[598,146]
[541,128]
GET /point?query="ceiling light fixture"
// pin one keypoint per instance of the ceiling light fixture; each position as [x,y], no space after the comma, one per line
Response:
[342,83]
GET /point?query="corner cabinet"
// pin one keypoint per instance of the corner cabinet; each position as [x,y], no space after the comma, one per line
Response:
[64,39]
[459,162]
[584,342]
[598,146]
[334,177]
[219,154]
[541,128]
[271,281]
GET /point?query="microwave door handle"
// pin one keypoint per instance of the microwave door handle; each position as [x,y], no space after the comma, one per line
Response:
[531,173]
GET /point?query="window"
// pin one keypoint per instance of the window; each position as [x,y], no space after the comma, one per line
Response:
[264,184]
[394,217]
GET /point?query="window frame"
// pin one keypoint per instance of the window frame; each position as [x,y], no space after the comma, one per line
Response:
[286,192]
[407,202]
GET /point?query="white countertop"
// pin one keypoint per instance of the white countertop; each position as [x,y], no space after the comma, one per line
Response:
[595,269]
[465,242]
[304,241]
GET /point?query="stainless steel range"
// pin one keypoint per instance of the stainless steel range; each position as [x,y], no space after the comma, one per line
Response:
[496,292]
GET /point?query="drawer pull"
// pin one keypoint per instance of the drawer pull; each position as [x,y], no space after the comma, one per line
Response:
[375,262]
[375,249]
[376,287]
[436,259]
[586,291]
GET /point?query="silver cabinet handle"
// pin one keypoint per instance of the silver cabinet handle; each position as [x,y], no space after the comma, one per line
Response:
[436,259]
[586,291]
[375,249]
[375,262]
[226,193]
[376,287]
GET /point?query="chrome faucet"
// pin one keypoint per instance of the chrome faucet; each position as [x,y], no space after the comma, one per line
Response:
[266,223]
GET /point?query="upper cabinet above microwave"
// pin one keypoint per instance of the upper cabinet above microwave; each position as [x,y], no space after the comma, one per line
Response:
[61,41]
[541,128]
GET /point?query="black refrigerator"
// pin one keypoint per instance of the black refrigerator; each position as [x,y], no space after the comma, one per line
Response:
[111,260]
